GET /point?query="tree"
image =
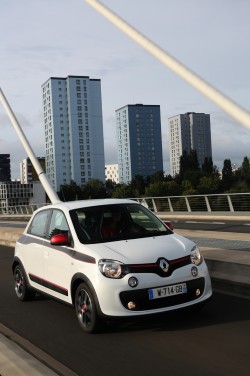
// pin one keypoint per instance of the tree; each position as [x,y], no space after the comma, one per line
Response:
[227,174]
[184,164]
[110,187]
[123,191]
[193,160]
[138,184]
[170,188]
[188,165]
[187,188]
[94,188]
[209,184]
[207,167]
[157,176]
[245,170]
[70,192]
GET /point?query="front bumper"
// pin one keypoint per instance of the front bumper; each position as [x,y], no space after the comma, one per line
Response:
[114,295]
[140,298]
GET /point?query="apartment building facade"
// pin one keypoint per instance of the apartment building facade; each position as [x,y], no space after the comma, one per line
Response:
[73,123]
[139,141]
[189,131]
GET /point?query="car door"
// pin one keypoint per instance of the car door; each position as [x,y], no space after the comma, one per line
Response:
[33,248]
[57,259]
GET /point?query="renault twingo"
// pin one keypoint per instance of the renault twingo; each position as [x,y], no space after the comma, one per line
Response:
[108,258]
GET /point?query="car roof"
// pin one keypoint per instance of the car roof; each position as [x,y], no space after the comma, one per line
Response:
[69,205]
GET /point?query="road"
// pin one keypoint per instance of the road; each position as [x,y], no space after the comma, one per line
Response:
[214,342]
[239,226]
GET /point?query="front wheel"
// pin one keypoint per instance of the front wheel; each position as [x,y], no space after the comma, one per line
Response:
[86,311]
[21,288]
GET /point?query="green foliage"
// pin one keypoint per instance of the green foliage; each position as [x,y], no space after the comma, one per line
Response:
[187,188]
[245,170]
[228,177]
[94,188]
[110,187]
[70,192]
[157,177]
[190,181]
[240,186]
[169,188]
[209,184]
[138,185]
[124,191]
[188,162]
[207,167]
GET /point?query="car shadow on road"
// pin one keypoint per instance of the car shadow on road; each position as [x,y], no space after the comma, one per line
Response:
[220,309]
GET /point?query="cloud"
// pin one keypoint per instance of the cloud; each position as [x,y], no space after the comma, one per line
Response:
[73,39]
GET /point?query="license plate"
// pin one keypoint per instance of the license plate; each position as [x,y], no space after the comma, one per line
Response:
[162,292]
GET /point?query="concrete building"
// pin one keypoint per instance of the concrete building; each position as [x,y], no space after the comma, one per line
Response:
[112,172]
[73,122]
[5,171]
[189,131]
[14,194]
[27,172]
[139,141]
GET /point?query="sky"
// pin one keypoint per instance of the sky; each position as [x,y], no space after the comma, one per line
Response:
[56,38]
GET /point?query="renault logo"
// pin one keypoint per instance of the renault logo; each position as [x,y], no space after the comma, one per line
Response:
[163,264]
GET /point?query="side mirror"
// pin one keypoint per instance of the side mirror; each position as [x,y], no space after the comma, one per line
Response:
[169,224]
[60,239]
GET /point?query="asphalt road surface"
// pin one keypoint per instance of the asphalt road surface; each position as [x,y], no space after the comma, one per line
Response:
[239,226]
[214,342]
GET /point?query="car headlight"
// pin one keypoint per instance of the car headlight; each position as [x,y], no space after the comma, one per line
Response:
[195,255]
[110,268]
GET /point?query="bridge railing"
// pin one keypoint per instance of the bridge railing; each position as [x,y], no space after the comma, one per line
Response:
[228,202]
[232,202]
[21,209]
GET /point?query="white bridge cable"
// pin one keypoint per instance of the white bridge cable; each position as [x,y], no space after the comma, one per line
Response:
[229,106]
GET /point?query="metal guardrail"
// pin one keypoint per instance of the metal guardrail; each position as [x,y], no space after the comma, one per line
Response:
[228,202]
[234,202]
[21,210]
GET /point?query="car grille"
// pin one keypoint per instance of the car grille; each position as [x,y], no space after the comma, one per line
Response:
[142,301]
[155,267]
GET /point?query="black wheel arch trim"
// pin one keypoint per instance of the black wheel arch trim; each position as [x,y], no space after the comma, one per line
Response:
[16,262]
[82,278]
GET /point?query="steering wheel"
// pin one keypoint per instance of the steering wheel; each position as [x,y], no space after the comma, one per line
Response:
[132,227]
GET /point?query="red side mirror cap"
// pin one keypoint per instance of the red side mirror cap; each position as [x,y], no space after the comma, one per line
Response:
[60,239]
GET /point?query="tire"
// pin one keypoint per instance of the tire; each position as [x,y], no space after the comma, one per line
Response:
[86,311]
[20,282]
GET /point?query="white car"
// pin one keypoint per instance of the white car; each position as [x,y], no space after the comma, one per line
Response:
[108,258]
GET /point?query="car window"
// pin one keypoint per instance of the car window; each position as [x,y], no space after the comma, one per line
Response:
[116,222]
[143,218]
[87,224]
[58,224]
[39,223]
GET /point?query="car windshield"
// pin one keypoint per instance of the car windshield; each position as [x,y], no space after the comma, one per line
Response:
[107,223]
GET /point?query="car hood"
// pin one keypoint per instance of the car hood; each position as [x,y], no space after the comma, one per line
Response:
[144,250]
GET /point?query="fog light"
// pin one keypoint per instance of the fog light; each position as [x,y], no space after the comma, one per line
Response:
[133,282]
[131,305]
[194,271]
[198,292]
